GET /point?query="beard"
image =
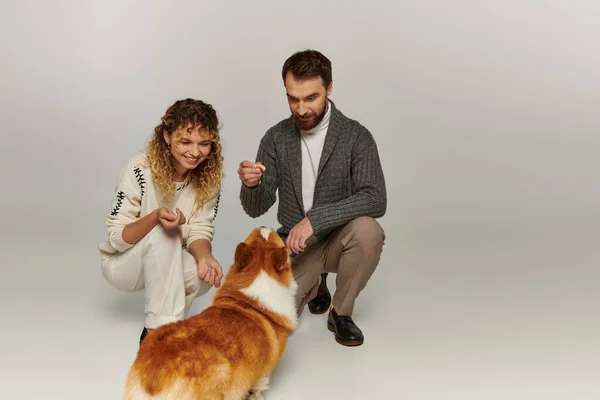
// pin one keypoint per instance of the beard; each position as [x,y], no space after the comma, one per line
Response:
[314,120]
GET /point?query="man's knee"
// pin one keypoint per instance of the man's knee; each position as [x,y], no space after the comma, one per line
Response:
[306,282]
[367,232]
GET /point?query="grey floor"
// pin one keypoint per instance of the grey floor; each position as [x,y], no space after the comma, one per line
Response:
[502,311]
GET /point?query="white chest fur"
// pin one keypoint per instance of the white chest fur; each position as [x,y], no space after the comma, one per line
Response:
[273,296]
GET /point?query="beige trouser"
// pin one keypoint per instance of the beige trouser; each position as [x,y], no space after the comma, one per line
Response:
[352,251]
[159,264]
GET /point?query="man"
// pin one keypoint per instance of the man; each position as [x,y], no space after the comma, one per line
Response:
[331,187]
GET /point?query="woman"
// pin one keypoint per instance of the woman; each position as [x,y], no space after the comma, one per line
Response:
[160,227]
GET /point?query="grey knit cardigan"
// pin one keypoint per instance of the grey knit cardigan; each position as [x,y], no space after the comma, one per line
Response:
[350,181]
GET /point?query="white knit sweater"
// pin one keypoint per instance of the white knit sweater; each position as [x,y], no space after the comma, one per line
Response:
[136,196]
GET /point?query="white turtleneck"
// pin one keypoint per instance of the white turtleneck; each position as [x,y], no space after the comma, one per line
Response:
[312,147]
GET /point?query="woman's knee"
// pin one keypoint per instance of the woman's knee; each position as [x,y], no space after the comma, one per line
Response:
[194,286]
[200,288]
[159,236]
[125,281]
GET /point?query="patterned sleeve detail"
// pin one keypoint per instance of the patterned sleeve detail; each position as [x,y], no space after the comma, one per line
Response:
[126,205]
[140,178]
[201,222]
[120,197]
[216,207]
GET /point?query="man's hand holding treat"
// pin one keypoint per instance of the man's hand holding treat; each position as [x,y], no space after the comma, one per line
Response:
[250,172]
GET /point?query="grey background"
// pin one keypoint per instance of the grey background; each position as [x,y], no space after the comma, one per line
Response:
[485,113]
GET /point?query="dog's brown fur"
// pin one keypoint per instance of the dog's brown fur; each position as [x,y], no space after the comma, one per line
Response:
[228,351]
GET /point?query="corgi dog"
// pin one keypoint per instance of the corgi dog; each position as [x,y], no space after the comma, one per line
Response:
[228,351]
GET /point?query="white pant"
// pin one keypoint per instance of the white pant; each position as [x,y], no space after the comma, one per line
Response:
[168,272]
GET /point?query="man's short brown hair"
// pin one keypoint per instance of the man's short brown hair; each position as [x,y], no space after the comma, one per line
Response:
[308,64]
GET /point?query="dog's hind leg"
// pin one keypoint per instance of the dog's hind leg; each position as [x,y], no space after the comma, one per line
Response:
[133,387]
[235,396]
[242,392]
[259,386]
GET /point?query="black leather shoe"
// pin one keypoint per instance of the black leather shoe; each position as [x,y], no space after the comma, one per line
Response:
[143,335]
[321,302]
[346,331]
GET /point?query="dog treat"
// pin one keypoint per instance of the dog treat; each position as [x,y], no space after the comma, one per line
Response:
[260,166]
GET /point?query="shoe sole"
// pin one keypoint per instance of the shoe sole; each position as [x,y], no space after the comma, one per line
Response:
[318,312]
[342,342]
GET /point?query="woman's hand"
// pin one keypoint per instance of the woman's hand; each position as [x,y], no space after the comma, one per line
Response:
[168,219]
[209,270]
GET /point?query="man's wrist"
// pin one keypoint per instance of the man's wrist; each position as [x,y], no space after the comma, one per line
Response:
[251,187]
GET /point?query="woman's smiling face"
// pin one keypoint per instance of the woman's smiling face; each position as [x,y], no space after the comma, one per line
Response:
[189,146]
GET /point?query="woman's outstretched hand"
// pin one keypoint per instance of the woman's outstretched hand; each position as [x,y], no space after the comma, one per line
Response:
[210,271]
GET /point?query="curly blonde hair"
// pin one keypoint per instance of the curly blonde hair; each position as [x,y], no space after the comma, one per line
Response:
[208,175]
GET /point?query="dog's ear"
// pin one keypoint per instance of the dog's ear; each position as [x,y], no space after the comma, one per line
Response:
[243,255]
[281,258]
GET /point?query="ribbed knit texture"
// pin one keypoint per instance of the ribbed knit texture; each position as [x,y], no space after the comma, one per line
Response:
[350,181]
